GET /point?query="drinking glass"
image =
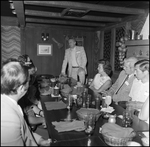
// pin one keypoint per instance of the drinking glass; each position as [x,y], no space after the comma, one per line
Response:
[90,120]
[108,100]
[84,95]
[127,119]
[79,101]
[69,101]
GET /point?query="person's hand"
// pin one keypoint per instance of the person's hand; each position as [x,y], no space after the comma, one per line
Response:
[44,125]
[43,142]
[81,70]
[62,75]
[41,113]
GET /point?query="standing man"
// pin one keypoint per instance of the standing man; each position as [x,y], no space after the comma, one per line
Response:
[14,129]
[120,90]
[76,59]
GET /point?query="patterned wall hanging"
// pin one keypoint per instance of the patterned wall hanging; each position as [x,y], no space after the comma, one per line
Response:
[120,32]
[10,39]
[107,45]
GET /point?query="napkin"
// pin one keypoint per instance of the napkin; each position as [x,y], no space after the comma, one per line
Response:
[63,126]
[55,105]
[52,95]
[116,130]
[108,109]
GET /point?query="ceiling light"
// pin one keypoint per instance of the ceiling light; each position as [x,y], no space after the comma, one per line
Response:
[75,12]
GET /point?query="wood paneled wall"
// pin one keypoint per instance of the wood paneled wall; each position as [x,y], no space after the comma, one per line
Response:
[31,36]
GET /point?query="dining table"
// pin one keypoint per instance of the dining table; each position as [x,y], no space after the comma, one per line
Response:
[79,138]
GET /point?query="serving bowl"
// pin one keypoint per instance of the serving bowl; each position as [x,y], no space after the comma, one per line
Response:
[115,141]
[83,113]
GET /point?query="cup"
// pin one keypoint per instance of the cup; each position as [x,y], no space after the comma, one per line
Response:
[79,101]
[89,122]
[53,82]
[127,119]
[56,91]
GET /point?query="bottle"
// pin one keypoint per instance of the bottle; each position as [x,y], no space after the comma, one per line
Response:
[84,95]
[127,120]
[104,105]
[97,103]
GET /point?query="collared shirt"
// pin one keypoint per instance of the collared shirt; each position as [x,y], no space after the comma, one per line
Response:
[73,57]
[99,80]
[139,91]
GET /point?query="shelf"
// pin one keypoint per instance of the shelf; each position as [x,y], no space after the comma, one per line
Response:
[137,42]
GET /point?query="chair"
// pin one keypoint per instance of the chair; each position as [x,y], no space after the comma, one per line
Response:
[39,77]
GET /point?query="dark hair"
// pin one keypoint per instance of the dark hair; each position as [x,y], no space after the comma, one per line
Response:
[13,74]
[26,61]
[143,65]
[106,66]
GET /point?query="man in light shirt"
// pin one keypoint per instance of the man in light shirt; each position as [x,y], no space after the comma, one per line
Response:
[76,59]
[140,88]
[14,129]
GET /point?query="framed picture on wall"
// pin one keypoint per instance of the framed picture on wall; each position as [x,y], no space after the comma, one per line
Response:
[44,49]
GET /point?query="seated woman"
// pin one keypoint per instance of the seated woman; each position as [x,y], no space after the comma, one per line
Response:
[33,114]
[30,102]
[101,81]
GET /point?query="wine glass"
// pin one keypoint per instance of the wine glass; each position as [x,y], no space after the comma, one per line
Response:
[69,102]
[108,100]
[90,120]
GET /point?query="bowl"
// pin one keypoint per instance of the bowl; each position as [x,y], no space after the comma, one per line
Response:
[133,143]
[145,141]
[83,113]
[115,141]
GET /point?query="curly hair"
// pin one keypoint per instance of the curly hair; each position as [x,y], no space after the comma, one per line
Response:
[106,66]
[26,61]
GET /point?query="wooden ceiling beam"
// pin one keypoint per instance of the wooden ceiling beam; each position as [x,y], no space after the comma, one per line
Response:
[93,7]
[65,22]
[28,24]
[9,21]
[19,7]
[58,15]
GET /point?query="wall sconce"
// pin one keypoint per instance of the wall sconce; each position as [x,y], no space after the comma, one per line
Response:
[44,36]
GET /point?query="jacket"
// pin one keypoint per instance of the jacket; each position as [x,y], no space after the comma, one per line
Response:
[80,58]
